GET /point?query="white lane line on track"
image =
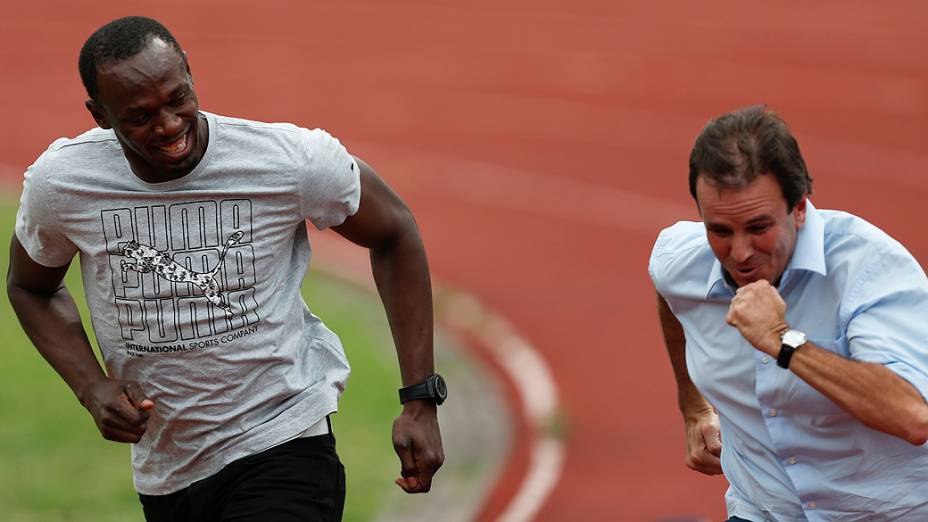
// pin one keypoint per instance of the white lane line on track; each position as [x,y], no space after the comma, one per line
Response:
[526,366]
[550,195]
[538,393]
[562,196]
[522,363]
[547,459]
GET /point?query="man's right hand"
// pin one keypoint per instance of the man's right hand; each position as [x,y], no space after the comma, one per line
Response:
[703,442]
[119,408]
[417,441]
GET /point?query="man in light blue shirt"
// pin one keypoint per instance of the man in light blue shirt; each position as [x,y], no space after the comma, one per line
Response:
[798,338]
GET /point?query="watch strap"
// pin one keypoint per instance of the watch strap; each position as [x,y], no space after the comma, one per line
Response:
[786,354]
[433,389]
[415,392]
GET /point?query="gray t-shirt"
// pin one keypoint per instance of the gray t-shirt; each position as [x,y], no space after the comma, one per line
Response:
[194,284]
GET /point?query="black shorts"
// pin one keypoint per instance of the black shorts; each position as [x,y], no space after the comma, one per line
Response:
[300,480]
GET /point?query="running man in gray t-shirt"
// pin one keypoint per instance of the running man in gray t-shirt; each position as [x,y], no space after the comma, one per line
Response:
[191,230]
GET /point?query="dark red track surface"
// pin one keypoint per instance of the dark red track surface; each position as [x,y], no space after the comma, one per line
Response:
[542,145]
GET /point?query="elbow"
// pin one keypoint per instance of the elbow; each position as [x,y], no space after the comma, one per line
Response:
[20,296]
[404,232]
[406,221]
[916,433]
[12,292]
[17,298]
[917,438]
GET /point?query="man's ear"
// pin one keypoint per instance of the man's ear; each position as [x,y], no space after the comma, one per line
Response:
[800,212]
[187,67]
[97,112]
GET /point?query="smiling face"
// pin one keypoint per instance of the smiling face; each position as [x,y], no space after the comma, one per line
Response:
[149,102]
[749,228]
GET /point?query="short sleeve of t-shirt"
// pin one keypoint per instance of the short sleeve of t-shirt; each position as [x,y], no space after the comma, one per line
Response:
[38,226]
[330,183]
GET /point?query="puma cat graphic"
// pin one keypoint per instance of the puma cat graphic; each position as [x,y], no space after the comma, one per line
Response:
[148,259]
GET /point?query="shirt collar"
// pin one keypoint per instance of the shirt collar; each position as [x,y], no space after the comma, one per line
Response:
[810,244]
[809,254]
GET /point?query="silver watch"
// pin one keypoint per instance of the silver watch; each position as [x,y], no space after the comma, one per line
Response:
[790,341]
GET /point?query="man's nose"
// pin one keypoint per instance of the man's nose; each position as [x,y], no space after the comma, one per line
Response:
[168,124]
[741,248]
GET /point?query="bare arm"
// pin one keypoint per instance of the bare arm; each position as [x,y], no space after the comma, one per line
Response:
[870,392]
[385,226]
[50,318]
[703,442]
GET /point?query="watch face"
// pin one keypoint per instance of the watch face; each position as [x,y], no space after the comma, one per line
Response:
[441,389]
[794,338]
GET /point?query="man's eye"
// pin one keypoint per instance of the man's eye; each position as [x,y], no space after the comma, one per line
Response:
[140,119]
[758,229]
[179,100]
[721,232]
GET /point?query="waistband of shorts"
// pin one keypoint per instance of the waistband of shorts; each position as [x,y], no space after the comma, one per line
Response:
[319,428]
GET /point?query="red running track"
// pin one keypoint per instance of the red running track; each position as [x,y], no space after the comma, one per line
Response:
[542,145]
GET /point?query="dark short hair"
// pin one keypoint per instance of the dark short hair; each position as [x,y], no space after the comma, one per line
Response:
[120,39]
[735,148]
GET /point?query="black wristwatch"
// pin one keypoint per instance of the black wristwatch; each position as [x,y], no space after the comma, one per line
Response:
[790,341]
[432,389]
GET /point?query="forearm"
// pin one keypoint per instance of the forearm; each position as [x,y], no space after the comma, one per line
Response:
[401,272]
[690,401]
[54,326]
[870,392]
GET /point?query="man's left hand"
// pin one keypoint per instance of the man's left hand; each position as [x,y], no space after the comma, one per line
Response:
[417,441]
[758,311]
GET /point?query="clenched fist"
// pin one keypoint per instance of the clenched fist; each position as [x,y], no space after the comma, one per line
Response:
[758,312]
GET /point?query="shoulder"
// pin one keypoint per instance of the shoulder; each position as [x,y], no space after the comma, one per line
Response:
[284,137]
[232,125]
[865,259]
[682,235]
[680,253]
[66,156]
[849,238]
[91,144]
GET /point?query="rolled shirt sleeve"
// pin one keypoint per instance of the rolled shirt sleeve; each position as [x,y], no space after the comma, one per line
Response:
[887,315]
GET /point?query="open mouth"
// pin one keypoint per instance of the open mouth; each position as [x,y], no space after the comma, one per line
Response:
[176,148]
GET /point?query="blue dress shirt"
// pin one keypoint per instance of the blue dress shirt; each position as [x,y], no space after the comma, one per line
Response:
[788,452]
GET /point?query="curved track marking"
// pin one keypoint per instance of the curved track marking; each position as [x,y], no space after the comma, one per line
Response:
[520,362]
[547,461]
[534,383]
